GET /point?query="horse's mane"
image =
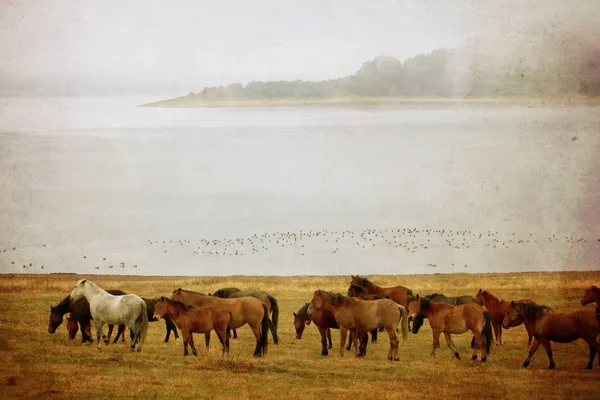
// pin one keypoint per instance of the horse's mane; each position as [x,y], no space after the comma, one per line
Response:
[532,311]
[191,291]
[177,303]
[431,296]
[362,281]
[358,288]
[425,303]
[337,298]
[65,305]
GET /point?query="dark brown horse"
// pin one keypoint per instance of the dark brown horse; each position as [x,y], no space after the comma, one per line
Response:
[399,294]
[592,294]
[190,319]
[448,319]
[80,311]
[497,309]
[270,302]
[362,316]
[244,310]
[548,326]
[323,320]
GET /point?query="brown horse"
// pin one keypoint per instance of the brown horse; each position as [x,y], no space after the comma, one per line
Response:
[592,294]
[449,319]
[244,310]
[323,320]
[190,319]
[497,309]
[399,294]
[270,302]
[548,325]
[362,316]
[73,327]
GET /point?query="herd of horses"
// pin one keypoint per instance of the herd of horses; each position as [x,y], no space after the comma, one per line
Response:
[367,308]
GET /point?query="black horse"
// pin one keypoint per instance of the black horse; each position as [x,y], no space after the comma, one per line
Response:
[80,310]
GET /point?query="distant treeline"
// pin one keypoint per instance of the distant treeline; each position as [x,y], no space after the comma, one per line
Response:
[441,73]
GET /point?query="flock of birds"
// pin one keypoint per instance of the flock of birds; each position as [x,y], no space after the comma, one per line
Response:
[407,240]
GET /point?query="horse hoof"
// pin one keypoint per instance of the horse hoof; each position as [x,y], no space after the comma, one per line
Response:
[457,356]
[588,367]
[474,358]
[525,364]
[551,366]
[483,359]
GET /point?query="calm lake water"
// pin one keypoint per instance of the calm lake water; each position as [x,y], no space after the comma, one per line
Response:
[86,184]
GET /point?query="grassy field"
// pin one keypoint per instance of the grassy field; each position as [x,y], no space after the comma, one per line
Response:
[37,364]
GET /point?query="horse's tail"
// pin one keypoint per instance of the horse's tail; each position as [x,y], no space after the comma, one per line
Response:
[264,334]
[274,317]
[404,321]
[487,331]
[144,326]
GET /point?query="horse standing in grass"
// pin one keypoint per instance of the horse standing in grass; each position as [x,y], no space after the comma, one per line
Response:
[399,294]
[497,309]
[72,327]
[323,320]
[244,310]
[548,326]
[270,302]
[190,319]
[449,319]
[128,309]
[362,316]
[171,327]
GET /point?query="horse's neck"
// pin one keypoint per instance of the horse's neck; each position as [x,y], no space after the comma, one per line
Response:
[491,300]
[91,290]
[175,312]
[434,308]
[64,306]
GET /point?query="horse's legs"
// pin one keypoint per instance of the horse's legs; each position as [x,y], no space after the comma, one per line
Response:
[329,338]
[436,340]
[532,350]
[186,337]
[498,333]
[257,349]
[594,347]
[373,336]
[343,334]
[324,332]
[194,352]
[394,344]
[99,333]
[480,344]
[363,341]
[546,343]
[234,334]
[120,333]
[107,338]
[450,344]
[530,334]
[83,326]
[349,342]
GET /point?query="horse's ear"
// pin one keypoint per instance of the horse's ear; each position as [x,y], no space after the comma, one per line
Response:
[479,291]
[417,297]
[209,294]
[294,315]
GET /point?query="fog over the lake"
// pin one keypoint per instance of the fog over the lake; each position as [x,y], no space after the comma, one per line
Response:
[90,183]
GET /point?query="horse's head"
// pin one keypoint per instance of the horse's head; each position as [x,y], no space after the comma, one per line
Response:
[56,319]
[514,315]
[299,324]
[78,291]
[413,308]
[591,294]
[160,307]
[479,295]
[417,323]
[317,302]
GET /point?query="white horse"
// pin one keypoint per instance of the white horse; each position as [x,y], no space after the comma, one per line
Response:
[128,309]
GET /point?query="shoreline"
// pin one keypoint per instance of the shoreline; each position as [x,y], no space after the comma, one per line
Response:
[373,101]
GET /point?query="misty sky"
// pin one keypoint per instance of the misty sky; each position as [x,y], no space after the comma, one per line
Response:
[186,45]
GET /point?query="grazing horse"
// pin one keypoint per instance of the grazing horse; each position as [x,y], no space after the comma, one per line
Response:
[323,320]
[190,319]
[548,326]
[73,327]
[270,302]
[362,316]
[80,310]
[592,294]
[399,294]
[128,309]
[497,309]
[244,310]
[449,319]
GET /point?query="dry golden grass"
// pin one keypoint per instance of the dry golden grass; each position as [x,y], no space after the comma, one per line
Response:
[36,364]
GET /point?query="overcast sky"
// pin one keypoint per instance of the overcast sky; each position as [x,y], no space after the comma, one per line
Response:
[186,45]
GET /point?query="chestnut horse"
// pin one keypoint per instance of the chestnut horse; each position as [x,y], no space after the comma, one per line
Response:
[323,320]
[448,319]
[190,319]
[399,294]
[244,310]
[548,325]
[592,294]
[497,309]
[362,316]
[270,302]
